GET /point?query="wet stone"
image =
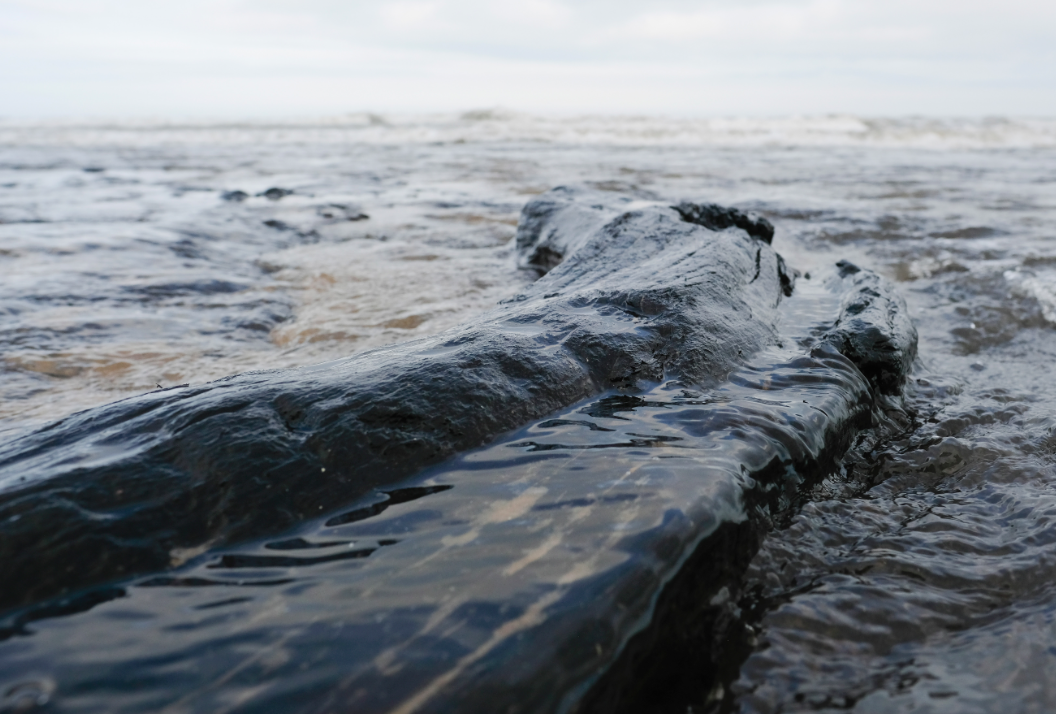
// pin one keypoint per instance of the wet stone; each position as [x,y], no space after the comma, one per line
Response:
[541,510]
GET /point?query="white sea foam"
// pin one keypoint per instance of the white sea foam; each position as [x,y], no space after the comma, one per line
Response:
[1041,286]
[508,126]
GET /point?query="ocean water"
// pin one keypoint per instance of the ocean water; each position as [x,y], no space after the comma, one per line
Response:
[920,577]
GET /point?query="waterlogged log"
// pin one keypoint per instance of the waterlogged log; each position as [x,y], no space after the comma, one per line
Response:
[675,401]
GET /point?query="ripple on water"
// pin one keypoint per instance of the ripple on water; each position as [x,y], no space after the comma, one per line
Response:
[931,590]
[917,580]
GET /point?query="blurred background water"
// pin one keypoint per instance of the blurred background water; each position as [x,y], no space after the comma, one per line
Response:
[920,578]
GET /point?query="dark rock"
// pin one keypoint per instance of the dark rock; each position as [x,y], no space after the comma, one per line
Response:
[341,212]
[557,222]
[645,296]
[719,218]
[587,562]
[234,196]
[274,193]
[873,329]
[554,224]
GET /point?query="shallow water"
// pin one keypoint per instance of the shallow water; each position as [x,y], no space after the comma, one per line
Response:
[920,576]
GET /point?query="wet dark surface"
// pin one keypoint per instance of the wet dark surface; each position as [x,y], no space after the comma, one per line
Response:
[114,490]
[914,577]
[522,571]
[919,578]
[508,579]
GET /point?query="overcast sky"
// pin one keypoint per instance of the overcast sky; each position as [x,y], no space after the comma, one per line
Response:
[276,58]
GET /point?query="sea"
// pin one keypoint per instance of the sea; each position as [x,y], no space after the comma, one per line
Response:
[141,254]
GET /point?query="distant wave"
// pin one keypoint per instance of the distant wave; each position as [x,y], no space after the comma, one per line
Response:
[494,125]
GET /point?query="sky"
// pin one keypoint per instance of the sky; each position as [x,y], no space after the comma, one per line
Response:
[277,58]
